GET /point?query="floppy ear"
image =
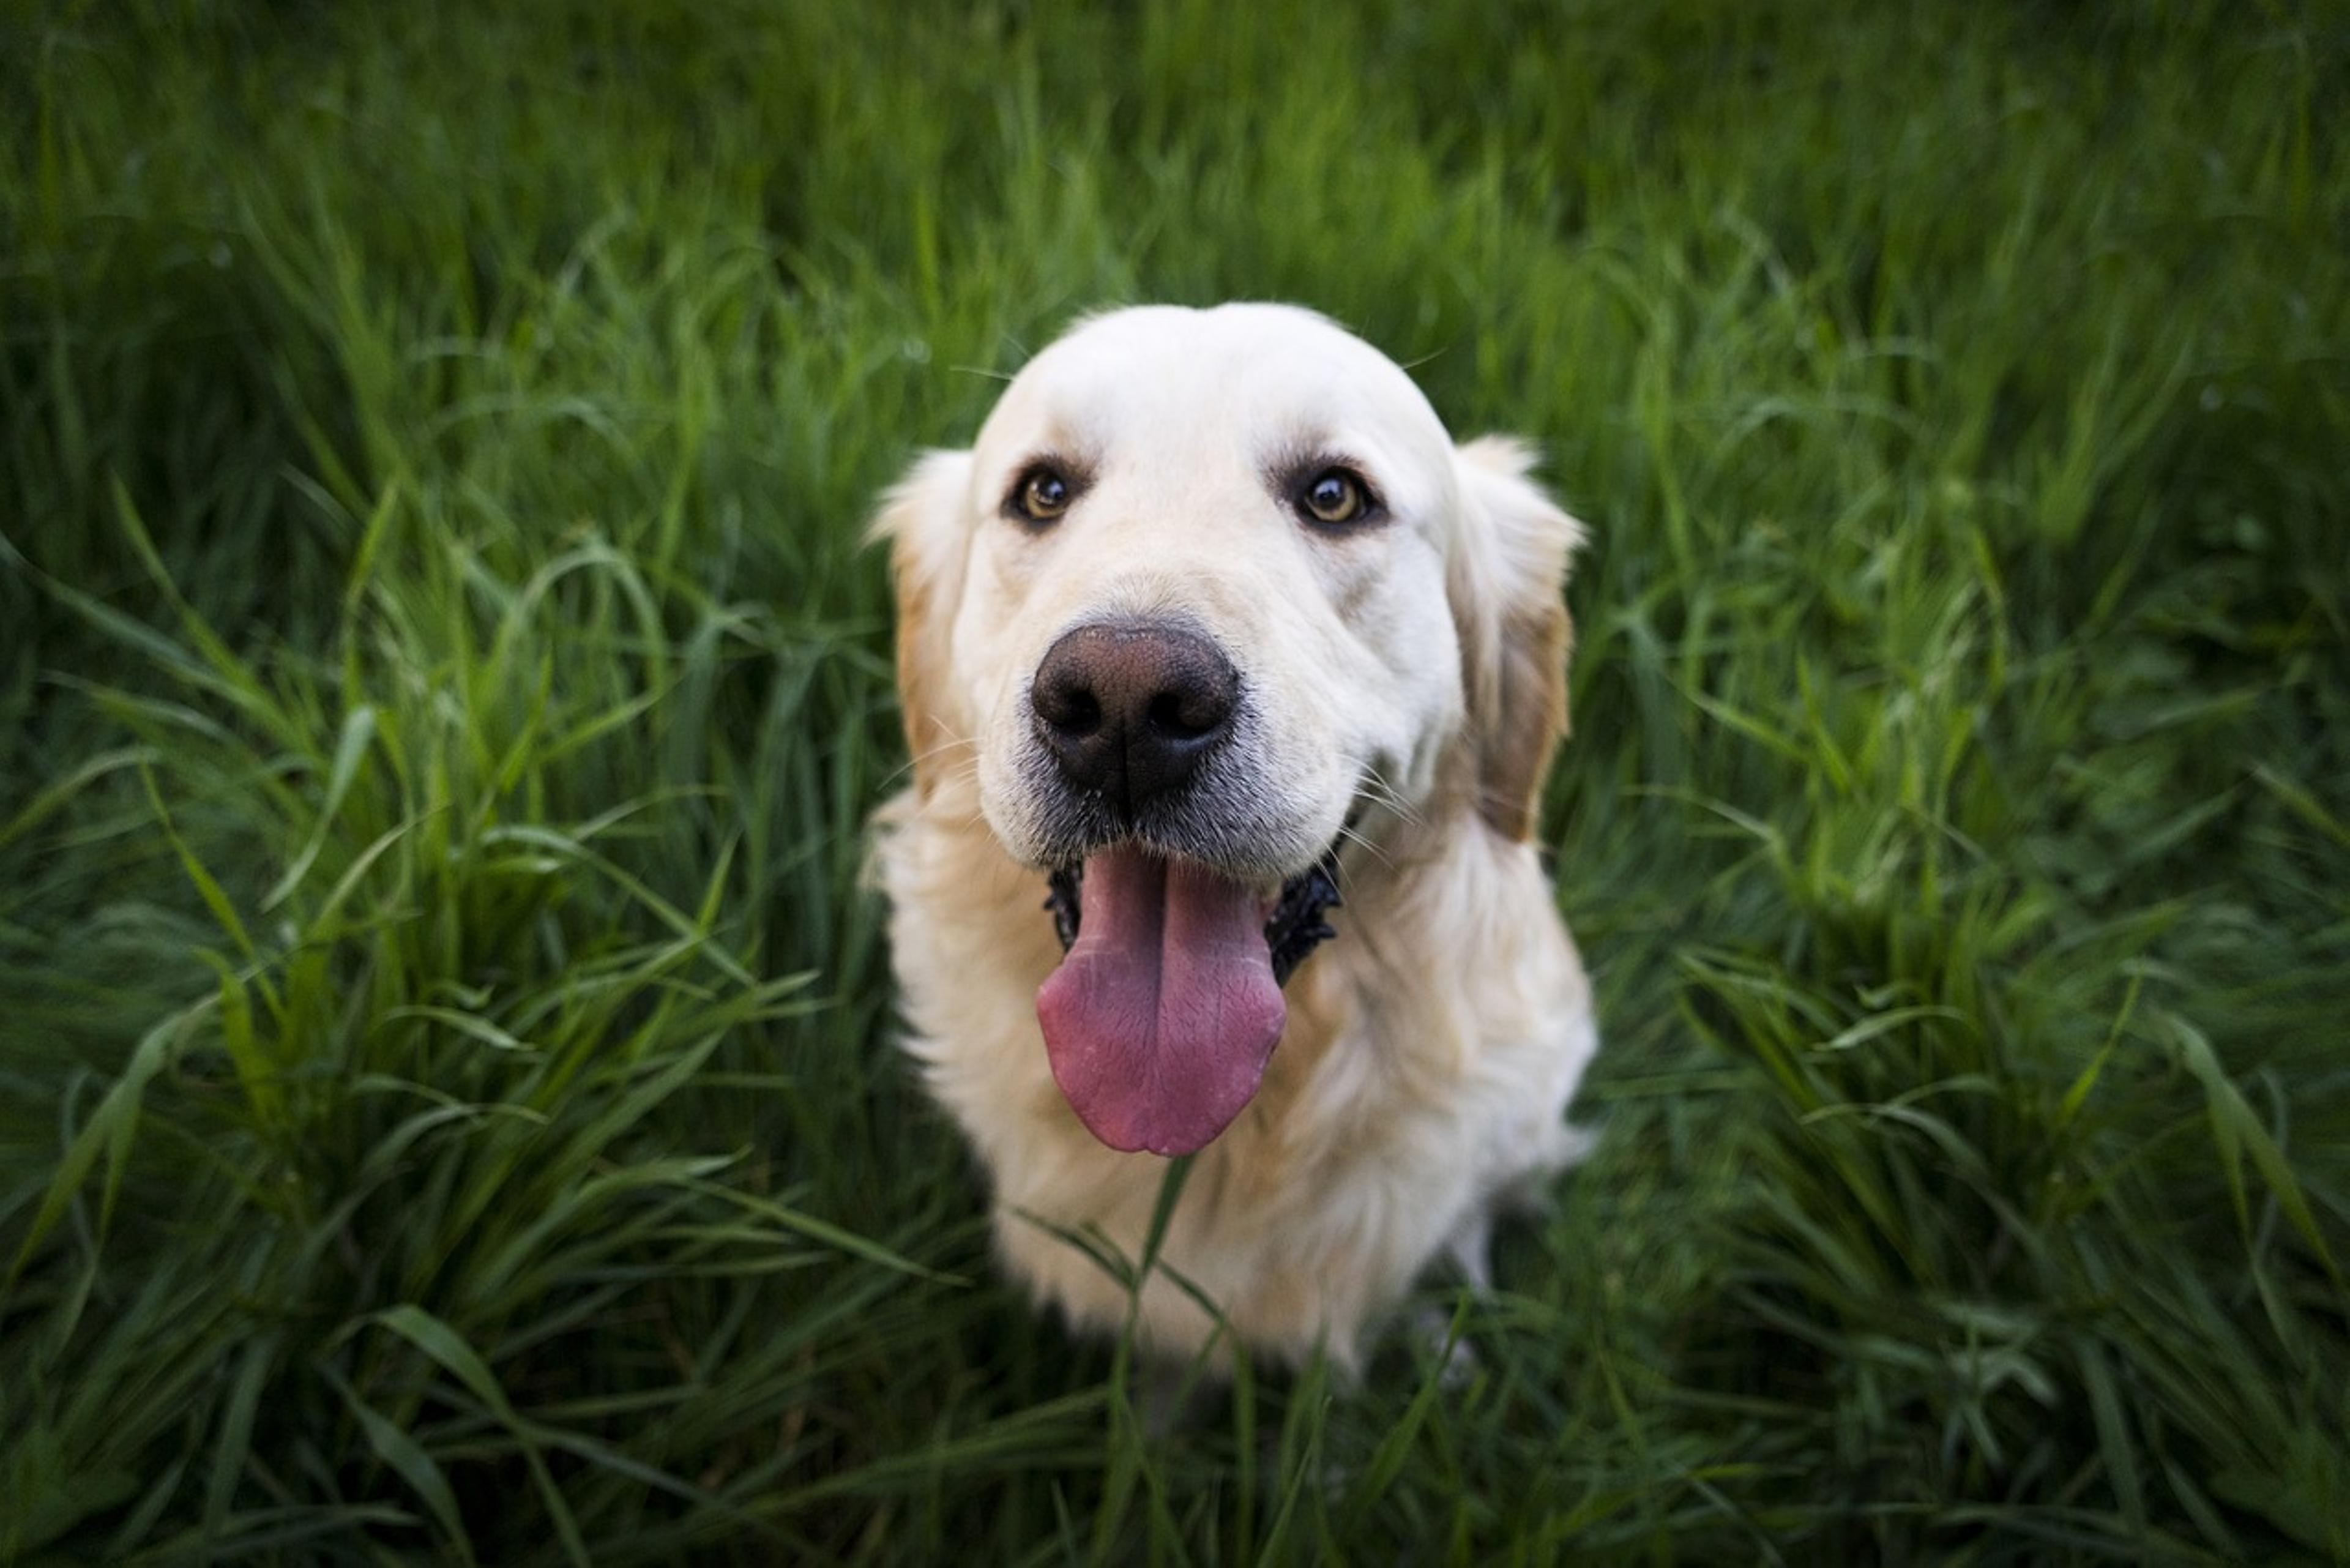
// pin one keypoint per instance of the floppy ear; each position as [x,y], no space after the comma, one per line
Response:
[922,518]
[1508,565]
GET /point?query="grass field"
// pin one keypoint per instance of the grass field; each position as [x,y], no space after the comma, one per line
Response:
[447,1106]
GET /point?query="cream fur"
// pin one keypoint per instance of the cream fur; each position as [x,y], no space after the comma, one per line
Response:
[1430,1049]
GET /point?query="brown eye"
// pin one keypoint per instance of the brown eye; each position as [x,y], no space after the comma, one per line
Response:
[1335,496]
[1044,494]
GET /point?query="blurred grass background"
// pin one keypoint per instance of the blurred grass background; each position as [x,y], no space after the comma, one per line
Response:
[447,1109]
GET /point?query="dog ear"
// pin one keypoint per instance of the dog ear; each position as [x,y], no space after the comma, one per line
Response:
[929,540]
[1504,580]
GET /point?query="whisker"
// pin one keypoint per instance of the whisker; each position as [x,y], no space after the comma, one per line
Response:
[943,747]
[1352,837]
[1386,794]
[897,774]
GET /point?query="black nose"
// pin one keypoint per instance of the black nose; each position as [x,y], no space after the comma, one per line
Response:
[1131,709]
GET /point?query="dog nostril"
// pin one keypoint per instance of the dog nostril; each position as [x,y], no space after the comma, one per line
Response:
[1071,709]
[1080,715]
[1183,715]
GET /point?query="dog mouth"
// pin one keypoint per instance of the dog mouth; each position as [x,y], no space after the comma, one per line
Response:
[1167,1003]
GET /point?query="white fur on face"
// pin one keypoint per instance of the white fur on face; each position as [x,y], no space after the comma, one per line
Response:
[1187,433]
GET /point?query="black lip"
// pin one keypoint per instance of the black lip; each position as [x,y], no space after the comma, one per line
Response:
[1293,930]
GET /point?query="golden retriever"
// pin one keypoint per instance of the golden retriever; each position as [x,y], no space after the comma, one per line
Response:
[1230,684]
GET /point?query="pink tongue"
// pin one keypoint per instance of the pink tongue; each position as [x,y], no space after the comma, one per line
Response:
[1160,1019]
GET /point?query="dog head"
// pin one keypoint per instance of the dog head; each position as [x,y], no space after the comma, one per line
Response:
[1211,591]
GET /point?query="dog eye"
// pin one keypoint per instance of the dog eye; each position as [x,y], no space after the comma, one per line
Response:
[1335,496]
[1043,495]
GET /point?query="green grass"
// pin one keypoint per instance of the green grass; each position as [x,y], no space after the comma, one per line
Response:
[447,1109]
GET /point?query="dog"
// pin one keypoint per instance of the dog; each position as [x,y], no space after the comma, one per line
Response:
[1230,684]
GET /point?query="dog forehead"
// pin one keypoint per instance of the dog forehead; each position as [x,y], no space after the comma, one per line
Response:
[1255,378]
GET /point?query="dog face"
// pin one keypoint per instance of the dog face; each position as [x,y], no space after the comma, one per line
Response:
[1210,587]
